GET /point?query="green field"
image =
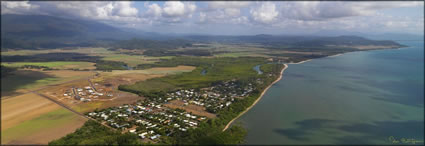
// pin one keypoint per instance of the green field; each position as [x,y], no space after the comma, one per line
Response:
[105,54]
[218,69]
[133,60]
[54,64]
[239,54]
[32,80]
[46,121]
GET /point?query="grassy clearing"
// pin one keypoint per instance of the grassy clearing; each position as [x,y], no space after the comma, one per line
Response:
[54,64]
[157,70]
[88,107]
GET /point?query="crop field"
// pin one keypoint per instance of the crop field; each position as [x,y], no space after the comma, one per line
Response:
[54,64]
[108,55]
[24,80]
[31,119]
[109,82]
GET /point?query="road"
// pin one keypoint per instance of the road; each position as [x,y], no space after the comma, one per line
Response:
[47,86]
[91,84]
[70,109]
[61,104]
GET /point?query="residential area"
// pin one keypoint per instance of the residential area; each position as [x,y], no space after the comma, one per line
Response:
[151,119]
[88,93]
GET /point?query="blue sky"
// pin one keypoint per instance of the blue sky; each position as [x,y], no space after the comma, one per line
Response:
[238,18]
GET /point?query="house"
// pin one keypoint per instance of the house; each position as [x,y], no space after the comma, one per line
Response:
[228,103]
[142,135]
[154,137]
[132,131]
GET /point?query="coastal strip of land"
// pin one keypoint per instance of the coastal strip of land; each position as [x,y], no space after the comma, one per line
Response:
[258,99]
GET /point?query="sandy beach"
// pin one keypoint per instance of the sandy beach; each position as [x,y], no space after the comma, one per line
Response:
[336,55]
[258,99]
[299,62]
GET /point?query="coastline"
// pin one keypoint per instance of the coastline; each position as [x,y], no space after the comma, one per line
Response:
[265,90]
[259,98]
[299,62]
[278,79]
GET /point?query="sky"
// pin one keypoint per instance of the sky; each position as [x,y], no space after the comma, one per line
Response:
[237,18]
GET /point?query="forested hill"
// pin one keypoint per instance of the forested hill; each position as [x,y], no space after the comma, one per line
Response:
[294,41]
[41,31]
[44,32]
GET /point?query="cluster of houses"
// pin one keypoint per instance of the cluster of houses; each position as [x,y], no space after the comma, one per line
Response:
[148,120]
[86,94]
[213,98]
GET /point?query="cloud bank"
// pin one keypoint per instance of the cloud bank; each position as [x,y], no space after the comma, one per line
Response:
[221,14]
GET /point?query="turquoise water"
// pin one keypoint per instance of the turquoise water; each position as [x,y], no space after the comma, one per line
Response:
[355,98]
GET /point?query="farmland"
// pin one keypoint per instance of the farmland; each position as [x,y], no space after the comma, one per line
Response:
[182,95]
[54,64]
[22,81]
[31,119]
[105,54]
[28,118]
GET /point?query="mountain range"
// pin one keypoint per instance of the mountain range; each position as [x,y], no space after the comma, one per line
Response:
[41,31]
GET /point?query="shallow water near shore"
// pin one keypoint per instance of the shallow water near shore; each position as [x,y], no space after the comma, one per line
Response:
[364,97]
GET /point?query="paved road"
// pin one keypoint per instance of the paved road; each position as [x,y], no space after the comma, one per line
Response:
[60,104]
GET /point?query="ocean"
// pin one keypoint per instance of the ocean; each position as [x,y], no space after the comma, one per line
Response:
[367,97]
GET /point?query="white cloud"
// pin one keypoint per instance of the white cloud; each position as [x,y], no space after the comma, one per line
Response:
[125,9]
[17,7]
[266,13]
[174,8]
[282,15]
[223,12]
[316,10]
[103,11]
[227,4]
[178,9]
[232,12]
[202,16]
[154,10]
